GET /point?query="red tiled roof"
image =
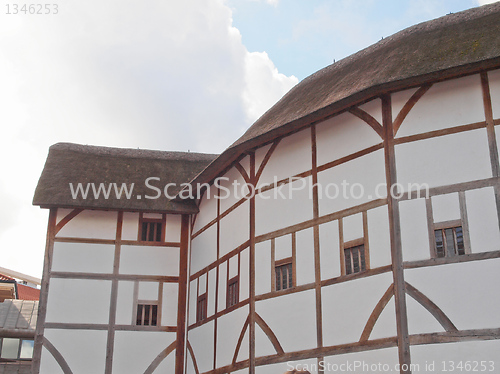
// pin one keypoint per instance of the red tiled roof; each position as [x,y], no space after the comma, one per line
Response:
[27,292]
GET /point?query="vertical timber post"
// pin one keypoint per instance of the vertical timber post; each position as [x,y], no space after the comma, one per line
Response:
[251,326]
[182,297]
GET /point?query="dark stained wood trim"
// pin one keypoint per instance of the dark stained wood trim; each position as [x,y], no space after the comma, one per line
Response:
[430,227]
[240,340]
[266,159]
[251,320]
[395,238]
[350,157]
[113,298]
[361,274]
[455,336]
[354,243]
[85,240]
[382,303]
[161,356]
[151,244]
[287,291]
[112,242]
[446,224]
[273,265]
[269,333]
[242,171]
[433,309]
[76,326]
[452,260]
[107,276]
[341,247]
[66,219]
[42,307]
[145,328]
[372,122]
[57,356]
[182,296]
[442,132]
[293,260]
[409,105]
[465,221]
[366,240]
[245,176]
[193,357]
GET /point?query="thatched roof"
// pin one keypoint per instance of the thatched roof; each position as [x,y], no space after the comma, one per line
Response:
[447,47]
[73,163]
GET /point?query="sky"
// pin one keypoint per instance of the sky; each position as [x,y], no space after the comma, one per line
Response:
[163,74]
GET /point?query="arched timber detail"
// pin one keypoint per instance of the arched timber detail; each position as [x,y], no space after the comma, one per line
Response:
[66,219]
[161,356]
[408,106]
[377,311]
[270,334]
[266,160]
[193,358]
[57,356]
[431,307]
[243,172]
[240,340]
[372,122]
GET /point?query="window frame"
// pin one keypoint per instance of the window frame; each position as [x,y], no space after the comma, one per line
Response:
[280,264]
[442,226]
[359,246]
[232,282]
[19,349]
[144,304]
[201,315]
[148,220]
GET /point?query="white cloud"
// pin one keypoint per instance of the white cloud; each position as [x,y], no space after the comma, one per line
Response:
[168,75]
[484,2]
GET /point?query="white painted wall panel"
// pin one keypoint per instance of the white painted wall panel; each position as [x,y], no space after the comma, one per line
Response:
[208,209]
[377,361]
[222,286]
[399,99]
[353,227]
[48,364]
[341,136]
[446,104]
[212,278]
[94,224]
[444,160]
[71,344]
[233,267]
[445,207]
[385,326]
[379,237]
[273,211]
[414,231]
[234,229]
[361,178]
[148,291]
[351,303]
[173,233]
[125,303]
[232,189]
[373,108]
[134,351]
[454,288]
[420,320]
[483,220]
[296,322]
[494,80]
[283,247]
[130,226]
[169,306]
[329,250]
[291,157]
[305,256]
[202,341]
[192,302]
[149,260]
[260,154]
[167,365]
[78,301]
[83,257]
[204,249]
[229,328]
[263,269]
[263,346]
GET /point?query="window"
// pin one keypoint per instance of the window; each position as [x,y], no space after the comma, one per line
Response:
[284,274]
[354,259]
[233,292]
[147,315]
[16,349]
[449,242]
[201,308]
[151,230]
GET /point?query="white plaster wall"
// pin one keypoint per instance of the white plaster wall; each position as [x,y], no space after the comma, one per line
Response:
[229,328]
[125,303]
[454,288]
[212,278]
[208,209]
[483,220]
[145,260]
[420,320]
[361,178]
[445,207]
[343,135]
[305,256]
[204,249]
[329,250]
[202,342]
[446,104]
[83,257]
[244,352]
[244,274]
[444,160]
[494,80]
[353,362]
[192,302]
[167,365]
[71,344]
[274,212]
[295,329]
[148,291]
[379,237]
[222,286]
[169,304]
[263,346]
[385,326]
[78,301]
[260,154]
[48,364]
[437,357]
[94,224]
[353,227]
[233,267]
[130,226]
[399,99]
[373,108]
[234,229]
[283,247]
[173,233]
[414,231]
[348,305]
[263,271]
[134,351]
[291,157]
[232,189]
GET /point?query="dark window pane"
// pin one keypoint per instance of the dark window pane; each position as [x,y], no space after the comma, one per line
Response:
[147,309]
[355,259]
[450,242]
[460,240]
[284,276]
[154,314]
[158,232]
[439,243]
[362,257]
[144,231]
[139,314]
[348,265]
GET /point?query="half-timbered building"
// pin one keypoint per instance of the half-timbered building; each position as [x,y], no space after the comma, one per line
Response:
[357,221]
